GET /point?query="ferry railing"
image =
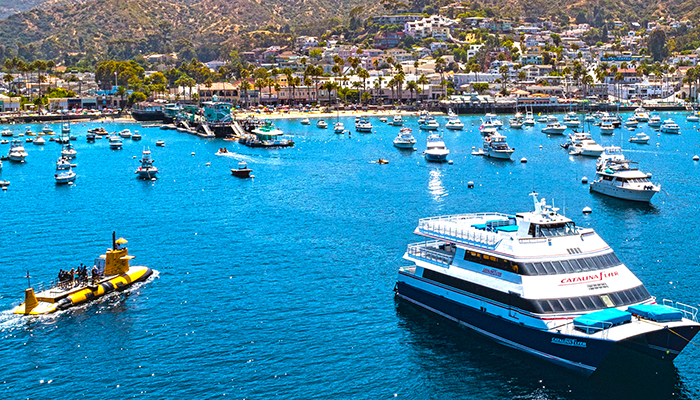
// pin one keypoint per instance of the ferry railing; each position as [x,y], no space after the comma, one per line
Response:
[689,312]
[469,234]
[423,251]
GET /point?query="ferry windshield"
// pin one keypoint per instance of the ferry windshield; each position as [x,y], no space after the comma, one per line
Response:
[551,230]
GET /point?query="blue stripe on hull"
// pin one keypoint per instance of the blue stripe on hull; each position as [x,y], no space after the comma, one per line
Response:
[581,354]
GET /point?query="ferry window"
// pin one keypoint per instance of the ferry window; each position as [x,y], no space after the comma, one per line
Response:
[578,304]
[539,268]
[587,264]
[528,269]
[556,306]
[544,305]
[599,303]
[607,301]
[599,262]
[558,268]
[566,303]
[548,268]
[625,299]
[576,266]
[587,303]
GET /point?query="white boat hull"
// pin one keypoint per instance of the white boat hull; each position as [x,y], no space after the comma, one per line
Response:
[623,193]
[65,178]
[501,155]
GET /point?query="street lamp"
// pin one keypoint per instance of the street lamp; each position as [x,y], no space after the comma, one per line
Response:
[80,87]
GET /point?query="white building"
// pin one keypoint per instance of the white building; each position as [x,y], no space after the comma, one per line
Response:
[423,28]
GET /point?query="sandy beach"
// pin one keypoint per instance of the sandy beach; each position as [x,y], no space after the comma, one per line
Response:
[316,114]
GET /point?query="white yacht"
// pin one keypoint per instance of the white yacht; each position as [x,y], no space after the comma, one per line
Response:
[589,118]
[17,152]
[581,144]
[429,124]
[620,178]
[405,139]
[39,141]
[321,124]
[554,128]
[529,119]
[6,132]
[640,138]
[397,121]
[436,150]
[516,123]
[125,133]
[641,115]
[492,119]
[68,151]
[363,125]
[147,170]
[338,127]
[383,120]
[536,282]
[607,128]
[495,146]
[670,127]
[454,123]
[305,121]
[693,118]
[571,120]
[631,122]
[552,118]
[64,172]
[115,142]
[654,121]
[542,119]
[46,130]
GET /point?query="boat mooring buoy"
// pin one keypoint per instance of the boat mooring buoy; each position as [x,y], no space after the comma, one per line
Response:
[584,180]
[449,162]
[133,157]
[470,185]
[540,146]
[587,210]
[696,158]
[208,164]
[523,160]
[193,153]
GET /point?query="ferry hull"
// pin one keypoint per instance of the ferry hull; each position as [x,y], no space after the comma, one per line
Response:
[582,355]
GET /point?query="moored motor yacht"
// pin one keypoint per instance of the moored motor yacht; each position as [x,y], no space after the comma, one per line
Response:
[147,170]
[405,139]
[321,124]
[554,128]
[669,126]
[529,119]
[641,138]
[339,127]
[397,121]
[17,152]
[115,142]
[607,128]
[654,121]
[125,133]
[68,151]
[536,282]
[305,121]
[454,123]
[436,150]
[429,124]
[495,146]
[641,115]
[6,132]
[363,125]
[620,178]
[64,173]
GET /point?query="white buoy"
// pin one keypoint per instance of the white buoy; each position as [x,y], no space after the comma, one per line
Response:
[523,160]
[470,185]
[449,162]
[696,158]
[587,210]
[584,180]
[133,157]
[4,188]
[540,146]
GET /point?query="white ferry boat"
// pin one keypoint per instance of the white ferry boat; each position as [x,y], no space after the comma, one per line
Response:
[536,282]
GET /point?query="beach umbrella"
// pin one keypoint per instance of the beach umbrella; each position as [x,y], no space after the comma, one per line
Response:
[121,241]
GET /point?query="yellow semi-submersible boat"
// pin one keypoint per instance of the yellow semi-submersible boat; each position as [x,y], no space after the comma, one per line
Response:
[110,273]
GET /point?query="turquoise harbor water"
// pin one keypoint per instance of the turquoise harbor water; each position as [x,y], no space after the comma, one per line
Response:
[281,286]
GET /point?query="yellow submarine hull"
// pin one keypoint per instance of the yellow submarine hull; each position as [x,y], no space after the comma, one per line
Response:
[42,303]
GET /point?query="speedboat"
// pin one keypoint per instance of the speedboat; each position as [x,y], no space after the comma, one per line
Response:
[495,146]
[98,131]
[552,118]
[542,119]
[29,132]
[586,147]
[670,127]
[338,127]
[397,121]
[46,130]
[589,118]
[620,178]
[321,124]
[125,133]
[147,170]
[68,151]
[641,115]
[641,138]
[242,171]
[405,139]
[136,136]
[17,152]
[488,130]
[305,121]
[115,142]
[536,282]
[554,128]
[39,141]
[6,133]
[655,121]
[436,150]
[693,118]
[64,172]
[607,128]
[455,124]
[363,125]
[383,119]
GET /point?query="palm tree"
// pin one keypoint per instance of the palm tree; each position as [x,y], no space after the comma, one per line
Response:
[260,83]
[412,86]
[245,86]
[399,83]
[423,80]
[364,75]
[329,86]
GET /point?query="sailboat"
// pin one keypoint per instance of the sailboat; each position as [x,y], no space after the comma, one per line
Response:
[338,127]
